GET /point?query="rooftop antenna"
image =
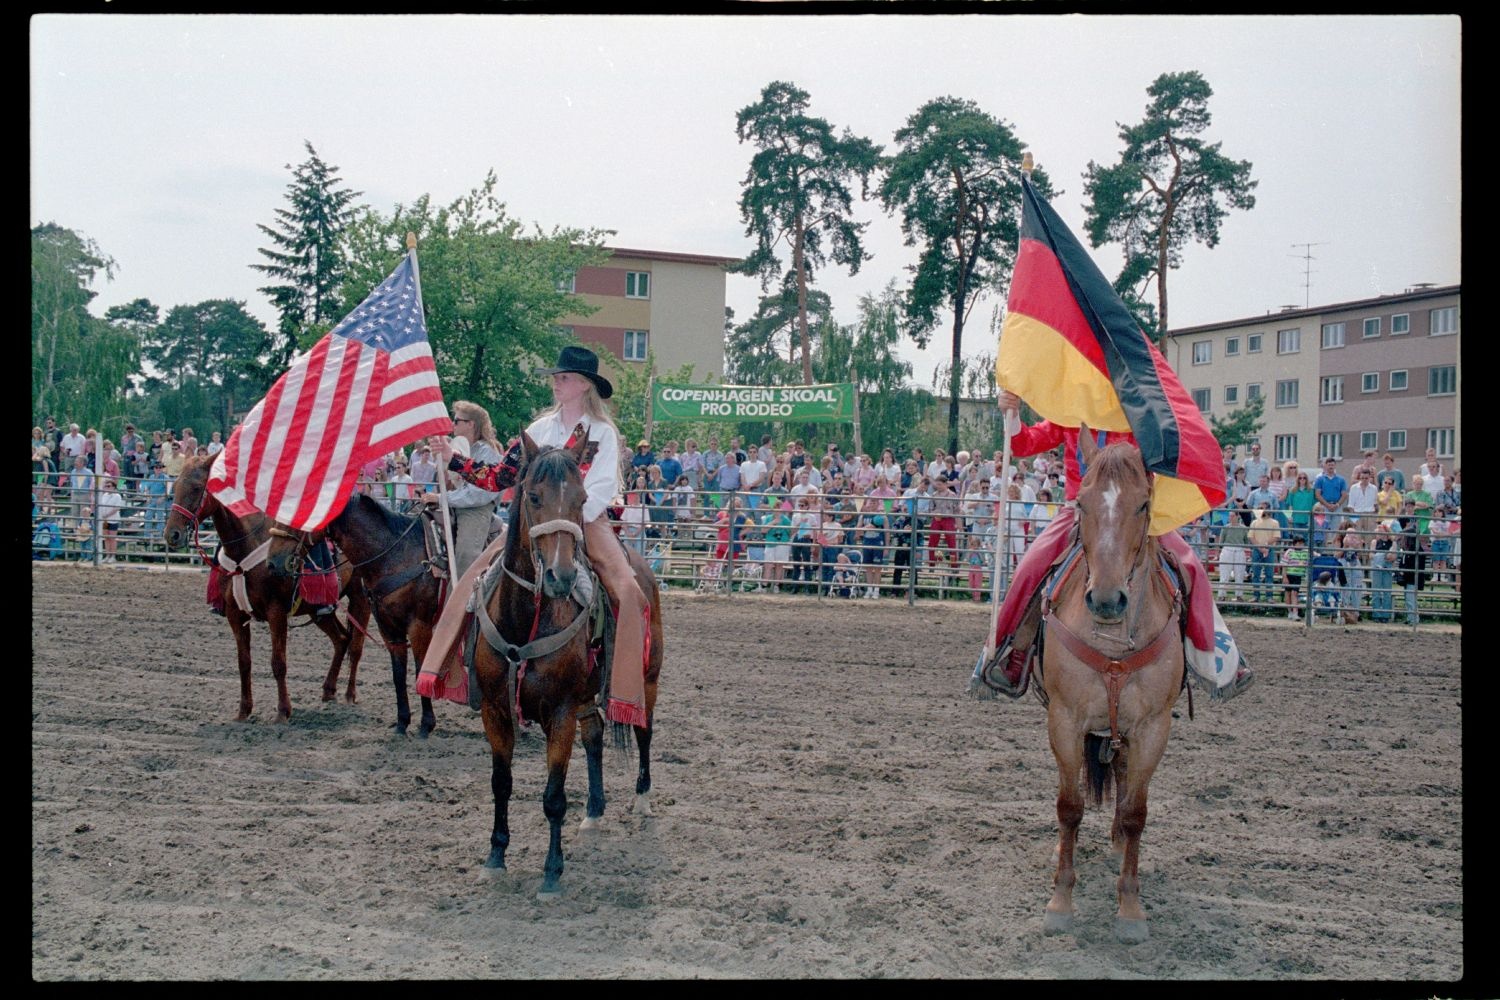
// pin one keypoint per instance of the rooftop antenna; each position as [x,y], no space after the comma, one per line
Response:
[1307,258]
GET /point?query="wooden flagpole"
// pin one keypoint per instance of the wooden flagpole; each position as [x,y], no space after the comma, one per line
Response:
[1002,532]
[453,572]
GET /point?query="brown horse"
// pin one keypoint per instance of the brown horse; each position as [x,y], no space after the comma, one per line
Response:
[270,597]
[1112,664]
[536,620]
[385,553]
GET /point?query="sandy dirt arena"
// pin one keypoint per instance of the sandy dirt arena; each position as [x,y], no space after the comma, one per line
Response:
[827,801]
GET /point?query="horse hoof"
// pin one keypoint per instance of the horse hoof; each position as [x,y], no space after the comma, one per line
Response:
[1130,931]
[1056,922]
[590,824]
[351,699]
[550,892]
[493,865]
[642,806]
[330,695]
[425,732]
[399,727]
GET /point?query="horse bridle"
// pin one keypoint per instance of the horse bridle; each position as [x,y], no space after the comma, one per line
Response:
[196,518]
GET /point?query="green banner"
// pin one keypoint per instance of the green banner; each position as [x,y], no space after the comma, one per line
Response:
[807,403]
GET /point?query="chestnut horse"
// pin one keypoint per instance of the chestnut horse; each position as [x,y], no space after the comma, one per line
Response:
[271,597]
[543,648]
[1112,670]
[385,554]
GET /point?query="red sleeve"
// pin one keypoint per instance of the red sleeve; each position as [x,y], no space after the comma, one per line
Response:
[490,478]
[1035,439]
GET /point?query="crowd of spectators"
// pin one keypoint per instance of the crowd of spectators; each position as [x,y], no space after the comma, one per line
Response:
[793,518]
[1342,546]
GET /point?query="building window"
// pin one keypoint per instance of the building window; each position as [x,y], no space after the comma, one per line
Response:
[1400,324]
[1288,341]
[1333,335]
[1331,389]
[1286,448]
[1440,439]
[1397,380]
[1252,343]
[1232,347]
[1287,391]
[568,285]
[1203,352]
[1203,399]
[1252,391]
[637,284]
[1331,446]
[635,345]
[1442,380]
[1442,322]
[1369,440]
[1231,395]
[1371,328]
[1396,441]
[1369,382]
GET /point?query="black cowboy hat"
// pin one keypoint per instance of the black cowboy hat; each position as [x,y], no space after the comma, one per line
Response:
[581,361]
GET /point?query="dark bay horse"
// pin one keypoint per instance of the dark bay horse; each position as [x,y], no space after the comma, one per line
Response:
[533,611]
[385,555]
[1112,670]
[270,597]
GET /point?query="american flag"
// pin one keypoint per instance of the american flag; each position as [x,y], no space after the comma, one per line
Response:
[367,387]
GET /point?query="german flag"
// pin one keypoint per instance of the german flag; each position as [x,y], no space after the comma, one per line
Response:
[1073,351]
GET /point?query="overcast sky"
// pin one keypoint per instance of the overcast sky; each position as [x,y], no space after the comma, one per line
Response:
[167,138]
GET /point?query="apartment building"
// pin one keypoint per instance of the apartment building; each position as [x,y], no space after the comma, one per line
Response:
[1339,379]
[670,304]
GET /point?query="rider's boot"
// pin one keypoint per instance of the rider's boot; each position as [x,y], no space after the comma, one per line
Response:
[1006,670]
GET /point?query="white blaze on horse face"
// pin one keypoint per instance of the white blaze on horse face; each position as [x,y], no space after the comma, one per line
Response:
[1111,501]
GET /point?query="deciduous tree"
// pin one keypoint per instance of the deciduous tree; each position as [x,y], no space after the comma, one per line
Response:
[81,366]
[491,290]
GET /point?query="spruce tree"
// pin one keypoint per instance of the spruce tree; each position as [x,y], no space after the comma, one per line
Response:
[307,258]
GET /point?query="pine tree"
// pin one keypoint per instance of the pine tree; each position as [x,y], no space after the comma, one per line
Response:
[307,256]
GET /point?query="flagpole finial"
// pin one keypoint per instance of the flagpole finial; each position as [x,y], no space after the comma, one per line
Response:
[411,241]
[1026,164]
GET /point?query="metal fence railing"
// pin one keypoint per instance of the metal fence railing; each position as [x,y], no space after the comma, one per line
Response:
[837,547]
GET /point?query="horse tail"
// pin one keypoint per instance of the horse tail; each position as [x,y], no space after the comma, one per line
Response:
[1100,775]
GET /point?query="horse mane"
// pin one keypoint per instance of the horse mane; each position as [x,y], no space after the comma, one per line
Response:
[395,522]
[551,465]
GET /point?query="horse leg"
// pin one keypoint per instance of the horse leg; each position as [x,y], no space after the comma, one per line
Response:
[561,729]
[592,736]
[398,679]
[359,621]
[239,624]
[339,635]
[642,804]
[421,637]
[276,618]
[500,729]
[1066,737]
[1147,744]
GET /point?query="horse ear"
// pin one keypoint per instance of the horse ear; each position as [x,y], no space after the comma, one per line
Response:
[580,442]
[529,449]
[1087,446]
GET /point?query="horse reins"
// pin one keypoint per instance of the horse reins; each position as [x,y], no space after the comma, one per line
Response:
[516,657]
